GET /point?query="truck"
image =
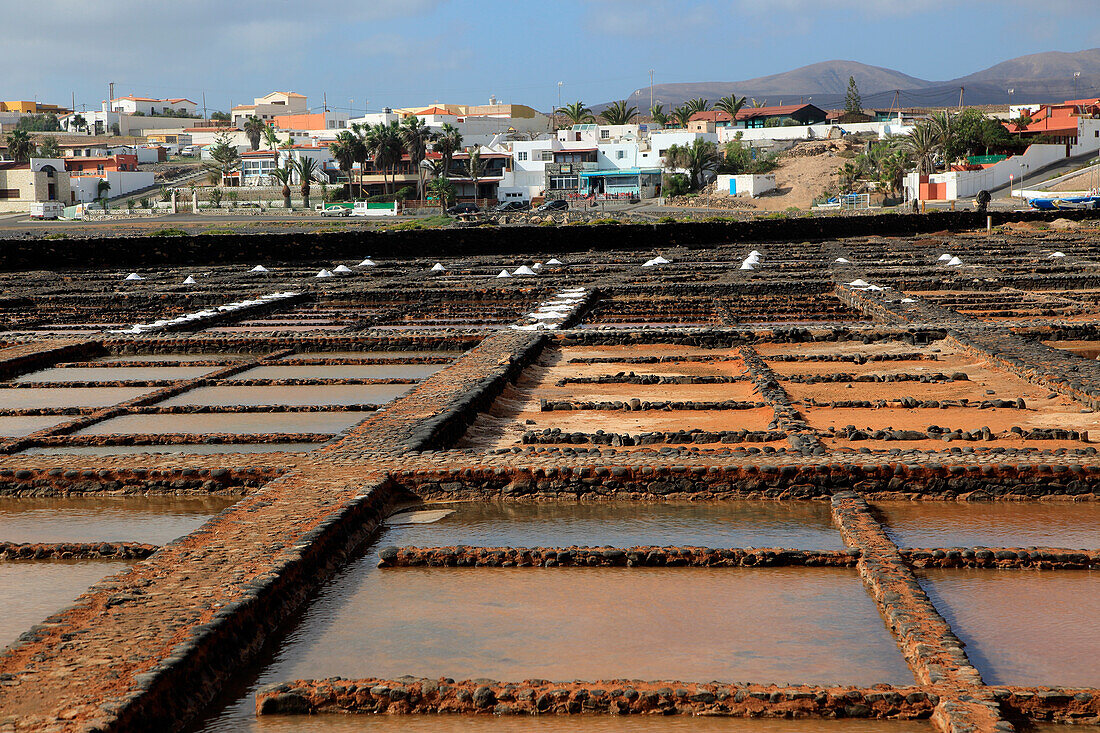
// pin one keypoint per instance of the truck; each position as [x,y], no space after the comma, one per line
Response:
[46,209]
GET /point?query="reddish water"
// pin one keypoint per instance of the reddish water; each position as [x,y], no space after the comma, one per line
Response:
[152,519]
[338,394]
[68,396]
[19,426]
[395,355]
[993,524]
[32,590]
[95,374]
[1023,627]
[227,422]
[551,724]
[196,449]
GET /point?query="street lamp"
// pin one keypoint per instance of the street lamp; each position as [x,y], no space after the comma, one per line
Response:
[555,123]
[651,90]
[1076,76]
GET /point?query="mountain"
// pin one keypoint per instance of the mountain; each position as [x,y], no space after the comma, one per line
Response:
[1040,77]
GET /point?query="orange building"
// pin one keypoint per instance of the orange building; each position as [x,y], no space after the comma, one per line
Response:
[99,166]
[1058,121]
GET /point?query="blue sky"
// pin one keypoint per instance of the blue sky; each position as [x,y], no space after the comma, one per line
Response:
[405,52]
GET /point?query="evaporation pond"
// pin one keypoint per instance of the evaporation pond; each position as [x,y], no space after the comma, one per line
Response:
[1023,627]
[337,394]
[236,721]
[113,374]
[150,519]
[38,397]
[18,426]
[245,423]
[341,371]
[799,525]
[1074,525]
[197,449]
[812,625]
[153,358]
[394,355]
[32,590]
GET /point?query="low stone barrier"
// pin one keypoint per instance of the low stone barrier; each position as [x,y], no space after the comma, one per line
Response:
[633,378]
[75,550]
[637,405]
[408,695]
[555,436]
[82,481]
[1050,704]
[884,378]
[1044,558]
[642,556]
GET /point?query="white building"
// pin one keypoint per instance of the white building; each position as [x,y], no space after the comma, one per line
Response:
[131,105]
[270,106]
[85,188]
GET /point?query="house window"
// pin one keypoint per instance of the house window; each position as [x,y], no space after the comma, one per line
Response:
[522,155]
[547,156]
[605,134]
[620,154]
[559,183]
[9,193]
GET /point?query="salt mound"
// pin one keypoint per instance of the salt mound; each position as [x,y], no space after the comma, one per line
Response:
[861,283]
[908,300]
[659,260]
[954,261]
[553,261]
[134,276]
[746,265]
[504,273]
[524,270]
[189,281]
[324,273]
[437,267]
[342,269]
[1058,254]
[258,268]
[842,261]
[944,257]
[366,263]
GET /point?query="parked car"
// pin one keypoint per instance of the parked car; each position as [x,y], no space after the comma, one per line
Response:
[336,210]
[555,205]
[458,209]
[510,206]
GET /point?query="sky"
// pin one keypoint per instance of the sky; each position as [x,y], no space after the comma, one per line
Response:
[368,54]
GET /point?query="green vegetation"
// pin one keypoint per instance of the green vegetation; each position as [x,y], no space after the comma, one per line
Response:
[56,235]
[853,102]
[739,159]
[215,197]
[667,220]
[214,230]
[430,222]
[224,158]
[284,175]
[657,114]
[20,146]
[305,167]
[220,117]
[38,123]
[171,232]
[698,159]
[730,104]
[619,113]
[254,129]
[577,113]
[602,222]
[48,148]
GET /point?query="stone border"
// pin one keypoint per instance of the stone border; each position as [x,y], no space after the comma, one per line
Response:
[641,556]
[76,550]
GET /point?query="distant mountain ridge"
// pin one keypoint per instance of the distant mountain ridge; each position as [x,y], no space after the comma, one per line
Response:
[1040,77]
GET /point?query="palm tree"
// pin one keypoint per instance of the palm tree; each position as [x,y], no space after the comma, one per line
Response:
[77,122]
[20,146]
[475,167]
[447,143]
[657,114]
[254,129]
[416,135]
[306,167]
[922,144]
[682,115]
[343,149]
[284,175]
[271,138]
[101,190]
[385,146]
[618,113]
[697,105]
[577,113]
[757,104]
[49,148]
[697,159]
[730,104]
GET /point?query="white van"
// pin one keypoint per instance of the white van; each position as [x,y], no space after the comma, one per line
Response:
[46,210]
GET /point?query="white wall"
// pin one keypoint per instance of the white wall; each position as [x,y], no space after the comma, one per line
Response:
[122,183]
[813,132]
[745,185]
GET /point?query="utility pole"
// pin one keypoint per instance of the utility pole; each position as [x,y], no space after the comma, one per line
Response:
[1011,91]
[651,89]
[554,122]
[324,97]
[961,90]
[1076,76]
[205,116]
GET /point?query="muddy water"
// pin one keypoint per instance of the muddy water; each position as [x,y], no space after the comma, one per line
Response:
[774,624]
[16,427]
[35,397]
[992,524]
[800,525]
[1023,627]
[395,355]
[175,357]
[575,724]
[347,371]
[92,374]
[196,449]
[337,394]
[153,519]
[31,591]
[243,422]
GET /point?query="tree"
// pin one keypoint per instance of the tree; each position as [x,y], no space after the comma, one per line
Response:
[254,129]
[759,104]
[697,105]
[39,123]
[20,146]
[618,113]
[77,122]
[853,103]
[306,167]
[657,114]
[1021,123]
[682,115]
[416,135]
[284,175]
[343,149]
[698,158]
[271,138]
[220,117]
[101,190]
[384,143]
[49,148]
[442,189]
[731,105]
[849,173]
[224,158]
[577,113]
[922,143]
[475,167]
[447,143]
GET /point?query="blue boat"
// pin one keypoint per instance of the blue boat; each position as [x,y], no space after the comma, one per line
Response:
[1090,200]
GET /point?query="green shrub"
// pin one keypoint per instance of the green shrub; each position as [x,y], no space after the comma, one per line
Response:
[171,232]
